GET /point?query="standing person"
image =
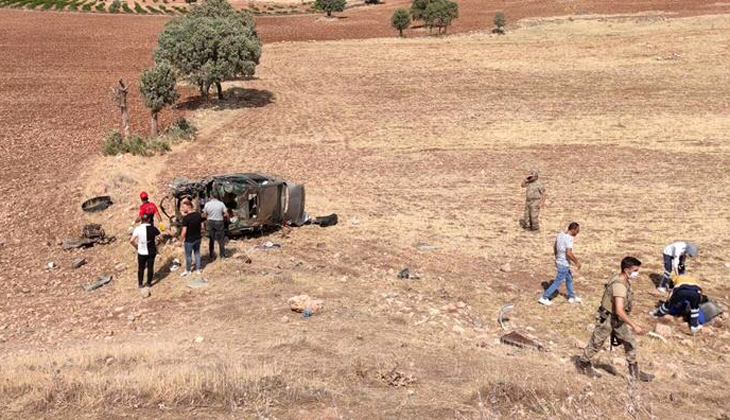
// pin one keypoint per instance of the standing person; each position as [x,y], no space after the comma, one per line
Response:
[612,320]
[192,225]
[686,292]
[534,201]
[563,250]
[214,212]
[675,255]
[147,207]
[144,241]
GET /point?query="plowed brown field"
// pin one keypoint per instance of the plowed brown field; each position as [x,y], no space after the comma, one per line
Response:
[410,141]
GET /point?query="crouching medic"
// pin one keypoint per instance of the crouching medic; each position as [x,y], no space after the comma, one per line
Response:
[612,321]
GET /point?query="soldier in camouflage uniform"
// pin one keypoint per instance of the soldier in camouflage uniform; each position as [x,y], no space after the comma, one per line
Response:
[612,321]
[535,200]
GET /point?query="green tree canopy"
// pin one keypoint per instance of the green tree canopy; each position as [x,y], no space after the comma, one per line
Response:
[157,86]
[401,20]
[330,6]
[418,8]
[210,44]
[440,13]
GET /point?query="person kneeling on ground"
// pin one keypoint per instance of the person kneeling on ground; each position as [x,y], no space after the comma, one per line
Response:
[144,240]
[192,225]
[563,250]
[675,255]
[612,320]
[686,293]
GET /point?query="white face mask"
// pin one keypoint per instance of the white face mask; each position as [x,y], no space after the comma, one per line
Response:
[634,274]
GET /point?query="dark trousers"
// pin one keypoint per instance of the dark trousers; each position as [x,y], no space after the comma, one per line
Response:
[666,278]
[148,262]
[683,296]
[216,233]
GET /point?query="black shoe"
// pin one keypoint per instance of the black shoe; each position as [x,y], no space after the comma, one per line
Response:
[635,373]
[586,368]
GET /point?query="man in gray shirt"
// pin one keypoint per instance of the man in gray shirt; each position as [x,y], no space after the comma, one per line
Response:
[214,212]
[563,249]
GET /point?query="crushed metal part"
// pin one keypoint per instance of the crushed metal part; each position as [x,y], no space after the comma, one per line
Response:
[78,263]
[97,204]
[91,235]
[502,317]
[100,281]
[518,340]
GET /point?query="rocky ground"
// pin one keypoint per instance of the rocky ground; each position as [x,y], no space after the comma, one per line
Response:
[422,160]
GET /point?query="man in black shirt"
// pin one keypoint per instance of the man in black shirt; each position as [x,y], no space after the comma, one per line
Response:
[192,224]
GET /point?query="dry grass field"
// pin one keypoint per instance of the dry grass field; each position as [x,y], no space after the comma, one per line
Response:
[409,141]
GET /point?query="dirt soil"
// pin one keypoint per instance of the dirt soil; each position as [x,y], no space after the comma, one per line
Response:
[627,125]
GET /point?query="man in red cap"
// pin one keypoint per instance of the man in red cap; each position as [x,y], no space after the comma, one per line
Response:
[147,208]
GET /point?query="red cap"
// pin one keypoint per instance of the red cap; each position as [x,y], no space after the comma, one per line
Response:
[143,195]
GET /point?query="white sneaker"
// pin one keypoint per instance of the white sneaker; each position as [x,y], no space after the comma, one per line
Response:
[653,314]
[661,289]
[184,273]
[575,299]
[197,272]
[695,330]
[546,302]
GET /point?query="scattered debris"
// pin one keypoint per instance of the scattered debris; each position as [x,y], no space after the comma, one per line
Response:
[131,317]
[175,265]
[268,245]
[325,221]
[199,339]
[518,340]
[396,378]
[502,317]
[197,283]
[422,246]
[355,221]
[51,265]
[77,263]
[404,273]
[506,268]
[97,204]
[145,292]
[120,267]
[657,336]
[100,281]
[304,303]
[91,235]
[2,244]
[25,290]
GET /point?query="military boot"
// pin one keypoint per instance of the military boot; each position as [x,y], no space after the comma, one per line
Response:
[635,373]
[586,368]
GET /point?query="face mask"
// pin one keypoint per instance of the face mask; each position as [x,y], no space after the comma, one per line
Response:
[634,274]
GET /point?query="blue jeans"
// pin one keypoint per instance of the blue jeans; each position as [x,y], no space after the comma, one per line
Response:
[667,276]
[565,275]
[191,247]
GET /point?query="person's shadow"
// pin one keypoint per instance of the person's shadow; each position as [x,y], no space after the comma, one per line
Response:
[545,285]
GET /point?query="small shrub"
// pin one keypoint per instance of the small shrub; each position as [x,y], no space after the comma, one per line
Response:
[113,143]
[153,10]
[100,7]
[139,9]
[60,4]
[330,6]
[115,6]
[401,20]
[126,8]
[136,144]
[48,4]
[73,6]
[181,130]
[86,7]
[500,23]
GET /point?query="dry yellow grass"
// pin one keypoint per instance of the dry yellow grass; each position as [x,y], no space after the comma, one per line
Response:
[426,141]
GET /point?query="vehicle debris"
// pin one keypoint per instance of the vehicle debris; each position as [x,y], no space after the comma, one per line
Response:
[100,281]
[91,235]
[95,204]
[197,283]
[503,318]
[268,245]
[422,246]
[175,265]
[254,202]
[77,263]
[404,273]
[518,340]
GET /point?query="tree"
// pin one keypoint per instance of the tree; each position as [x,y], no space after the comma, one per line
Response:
[500,22]
[401,20]
[330,6]
[440,13]
[210,44]
[119,96]
[157,86]
[418,8]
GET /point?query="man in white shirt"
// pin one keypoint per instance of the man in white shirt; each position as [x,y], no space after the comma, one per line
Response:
[675,255]
[214,212]
[144,240]
[563,250]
